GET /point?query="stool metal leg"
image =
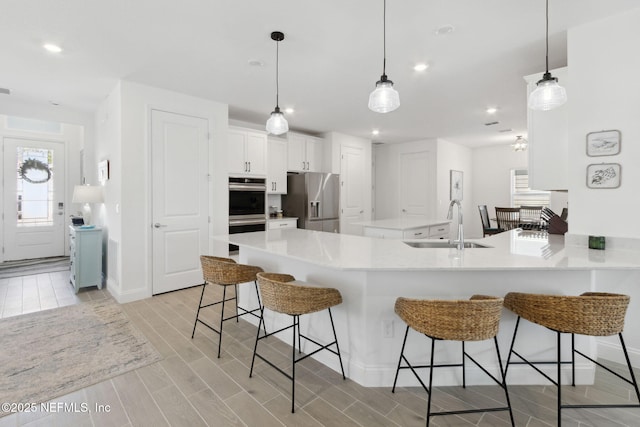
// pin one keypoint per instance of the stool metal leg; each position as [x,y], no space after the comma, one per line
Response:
[464,370]
[255,284]
[335,337]
[296,319]
[255,346]
[235,287]
[224,298]
[504,381]
[404,342]
[430,389]
[633,376]
[204,285]
[559,385]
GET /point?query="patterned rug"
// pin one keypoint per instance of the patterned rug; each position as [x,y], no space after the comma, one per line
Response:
[50,353]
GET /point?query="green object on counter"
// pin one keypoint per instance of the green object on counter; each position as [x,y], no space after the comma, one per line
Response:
[596,242]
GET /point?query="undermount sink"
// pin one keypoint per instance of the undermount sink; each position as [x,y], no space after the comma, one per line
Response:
[444,244]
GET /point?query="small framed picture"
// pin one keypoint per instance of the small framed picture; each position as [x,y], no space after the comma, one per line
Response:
[603,143]
[604,175]
[455,190]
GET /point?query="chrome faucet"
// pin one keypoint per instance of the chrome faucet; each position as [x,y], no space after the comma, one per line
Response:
[460,241]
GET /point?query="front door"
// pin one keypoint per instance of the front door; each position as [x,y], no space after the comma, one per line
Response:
[33,205]
[179,166]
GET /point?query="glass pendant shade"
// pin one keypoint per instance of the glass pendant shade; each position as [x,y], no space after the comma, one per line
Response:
[520,144]
[548,95]
[277,124]
[384,98]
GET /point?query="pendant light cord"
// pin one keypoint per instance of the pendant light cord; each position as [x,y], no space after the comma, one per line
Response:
[277,73]
[547,36]
[384,37]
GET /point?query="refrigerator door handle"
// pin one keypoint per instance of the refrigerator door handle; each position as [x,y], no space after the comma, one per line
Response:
[315,209]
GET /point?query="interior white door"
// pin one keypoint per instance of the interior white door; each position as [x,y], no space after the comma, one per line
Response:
[34,194]
[415,192]
[352,189]
[180,199]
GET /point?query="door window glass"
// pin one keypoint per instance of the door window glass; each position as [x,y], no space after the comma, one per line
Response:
[34,186]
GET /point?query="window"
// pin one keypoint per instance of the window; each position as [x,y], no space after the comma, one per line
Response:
[522,195]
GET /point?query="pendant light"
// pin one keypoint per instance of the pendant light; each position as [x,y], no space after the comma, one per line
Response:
[549,94]
[384,98]
[520,144]
[277,124]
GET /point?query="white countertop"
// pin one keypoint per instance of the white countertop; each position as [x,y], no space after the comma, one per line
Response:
[402,223]
[284,218]
[515,249]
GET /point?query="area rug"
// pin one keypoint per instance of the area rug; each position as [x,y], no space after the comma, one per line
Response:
[28,267]
[50,353]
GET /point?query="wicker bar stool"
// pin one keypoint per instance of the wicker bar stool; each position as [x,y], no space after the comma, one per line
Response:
[225,272]
[592,314]
[295,299]
[476,319]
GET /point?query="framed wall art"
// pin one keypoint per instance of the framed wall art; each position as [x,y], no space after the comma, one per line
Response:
[455,190]
[603,143]
[604,175]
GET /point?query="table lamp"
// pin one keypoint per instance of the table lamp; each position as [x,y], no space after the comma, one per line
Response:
[86,194]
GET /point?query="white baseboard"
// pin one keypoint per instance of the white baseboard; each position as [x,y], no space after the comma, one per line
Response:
[128,296]
[613,352]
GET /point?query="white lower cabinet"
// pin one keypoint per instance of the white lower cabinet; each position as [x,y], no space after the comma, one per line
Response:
[279,224]
[85,252]
[438,231]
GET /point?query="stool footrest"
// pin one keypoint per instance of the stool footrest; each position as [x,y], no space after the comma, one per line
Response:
[470,411]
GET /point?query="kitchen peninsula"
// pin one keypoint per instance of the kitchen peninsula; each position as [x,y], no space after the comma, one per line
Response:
[371,273]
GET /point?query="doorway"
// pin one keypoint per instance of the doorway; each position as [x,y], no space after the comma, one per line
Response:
[33,198]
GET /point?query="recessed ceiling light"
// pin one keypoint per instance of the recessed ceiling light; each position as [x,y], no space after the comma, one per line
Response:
[54,103]
[444,30]
[255,63]
[375,132]
[420,67]
[289,110]
[52,48]
[491,110]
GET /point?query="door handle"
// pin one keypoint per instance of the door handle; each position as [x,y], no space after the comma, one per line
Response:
[404,210]
[249,163]
[361,211]
[158,225]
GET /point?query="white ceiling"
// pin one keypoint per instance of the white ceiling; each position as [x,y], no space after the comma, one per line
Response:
[329,61]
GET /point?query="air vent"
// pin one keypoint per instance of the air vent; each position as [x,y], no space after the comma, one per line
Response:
[5,91]
[505,130]
[491,123]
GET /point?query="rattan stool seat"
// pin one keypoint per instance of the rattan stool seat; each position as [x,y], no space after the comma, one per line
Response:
[225,272]
[475,319]
[592,314]
[281,293]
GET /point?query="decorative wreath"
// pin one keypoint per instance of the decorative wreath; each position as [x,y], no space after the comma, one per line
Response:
[33,165]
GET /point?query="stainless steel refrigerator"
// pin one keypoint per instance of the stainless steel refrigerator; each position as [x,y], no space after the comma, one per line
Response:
[314,199]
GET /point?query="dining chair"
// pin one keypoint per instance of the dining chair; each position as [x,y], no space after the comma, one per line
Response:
[486,224]
[530,217]
[508,218]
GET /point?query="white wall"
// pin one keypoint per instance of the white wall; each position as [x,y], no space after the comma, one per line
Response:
[455,157]
[604,71]
[492,181]
[134,190]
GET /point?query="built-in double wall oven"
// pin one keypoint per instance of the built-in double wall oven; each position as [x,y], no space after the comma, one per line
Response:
[247,206]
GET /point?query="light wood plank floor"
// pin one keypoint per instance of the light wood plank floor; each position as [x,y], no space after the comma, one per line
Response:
[191,387]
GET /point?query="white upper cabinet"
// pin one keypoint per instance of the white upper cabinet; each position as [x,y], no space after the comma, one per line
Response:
[247,152]
[304,153]
[277,166]
[548,139]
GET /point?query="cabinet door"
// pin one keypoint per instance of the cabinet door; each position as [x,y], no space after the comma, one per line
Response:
[256,153]
[296,153]
[439,231]
[237,142]
[314,151]
[277,166]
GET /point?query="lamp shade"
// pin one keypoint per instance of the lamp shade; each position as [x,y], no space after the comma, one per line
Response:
[548,95]
[277,124]
[384,98]
[87,194]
